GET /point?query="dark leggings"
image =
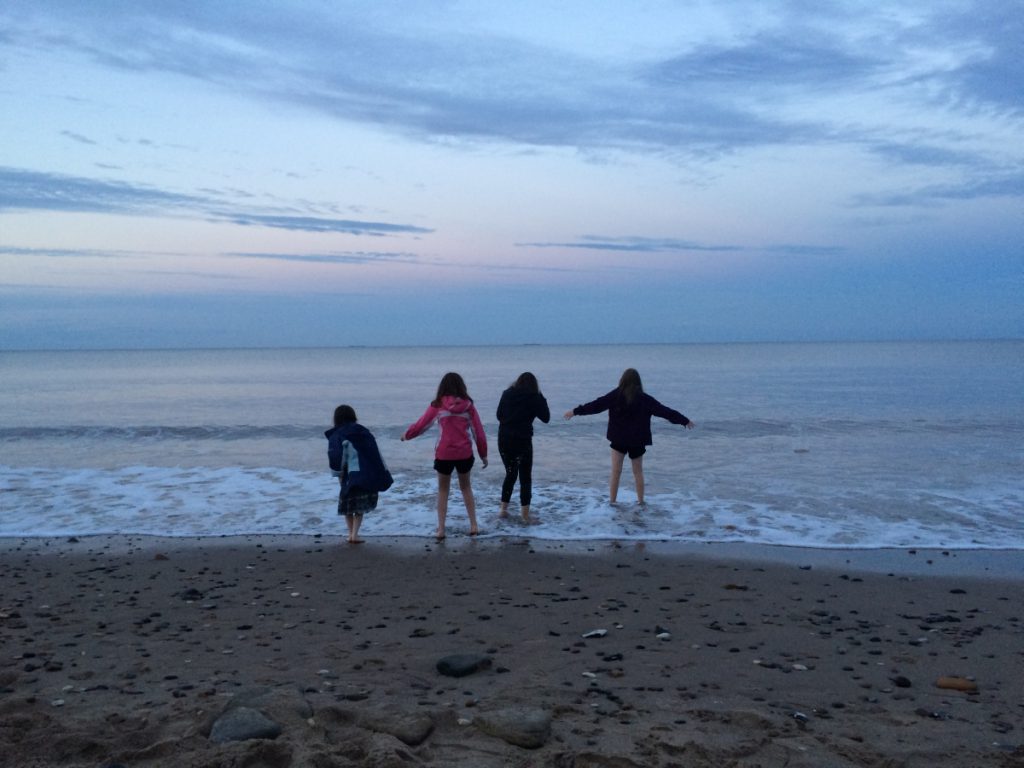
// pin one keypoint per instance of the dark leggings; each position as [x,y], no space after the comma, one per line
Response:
[518,460]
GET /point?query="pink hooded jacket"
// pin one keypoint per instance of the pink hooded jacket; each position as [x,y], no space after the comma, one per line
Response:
[456,417]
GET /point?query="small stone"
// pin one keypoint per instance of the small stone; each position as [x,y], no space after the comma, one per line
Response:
[957,684]
[460,665]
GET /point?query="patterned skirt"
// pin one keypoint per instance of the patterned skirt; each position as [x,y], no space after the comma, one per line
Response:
[357,502]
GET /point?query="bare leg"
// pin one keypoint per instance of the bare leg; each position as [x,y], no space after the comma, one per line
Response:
[354,521]
[525,509]
[638,477]
[444,485]
[466,486]
[504,509]
[613,481]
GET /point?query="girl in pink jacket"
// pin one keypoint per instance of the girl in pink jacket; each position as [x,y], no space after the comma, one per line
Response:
[459,423]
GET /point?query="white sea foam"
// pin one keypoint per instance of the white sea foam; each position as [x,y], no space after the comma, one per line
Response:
[169,501]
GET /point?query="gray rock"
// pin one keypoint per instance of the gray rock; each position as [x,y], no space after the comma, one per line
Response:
[463,664]
[527,727]
[282,704]
[412,729]
[242,724]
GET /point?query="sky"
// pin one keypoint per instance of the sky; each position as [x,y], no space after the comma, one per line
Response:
[324,173]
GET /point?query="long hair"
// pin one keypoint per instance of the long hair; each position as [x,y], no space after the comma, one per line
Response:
[630,385]
[528,382]
[451,384]
[344,414]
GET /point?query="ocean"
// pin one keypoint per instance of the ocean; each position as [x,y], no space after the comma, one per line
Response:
[845,445]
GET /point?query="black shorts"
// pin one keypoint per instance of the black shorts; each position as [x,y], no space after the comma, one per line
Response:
[445,466]
[633,453]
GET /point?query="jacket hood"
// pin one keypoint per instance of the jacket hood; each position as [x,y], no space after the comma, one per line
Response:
[353,427]
[455,404]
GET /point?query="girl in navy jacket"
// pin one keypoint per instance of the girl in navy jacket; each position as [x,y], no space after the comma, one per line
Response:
[629,426]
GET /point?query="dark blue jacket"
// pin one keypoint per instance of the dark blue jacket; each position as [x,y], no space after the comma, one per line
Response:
[629,424]
[516,411]
[364,468]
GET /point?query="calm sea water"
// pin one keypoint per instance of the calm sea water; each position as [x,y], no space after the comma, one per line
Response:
[827,445]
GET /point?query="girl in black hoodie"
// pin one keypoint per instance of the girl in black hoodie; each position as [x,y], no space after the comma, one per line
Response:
[520,404]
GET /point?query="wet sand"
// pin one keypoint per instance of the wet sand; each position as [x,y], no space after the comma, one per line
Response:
[135,651]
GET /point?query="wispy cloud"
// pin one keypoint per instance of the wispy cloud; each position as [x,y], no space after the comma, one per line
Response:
[636,244]
[348,257]
[633,244]
[997,185]
[313,224]
[35,190]
[926,154]
[39,190]
[77,137]
[66,253]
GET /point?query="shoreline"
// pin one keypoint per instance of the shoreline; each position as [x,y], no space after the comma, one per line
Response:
[998,564]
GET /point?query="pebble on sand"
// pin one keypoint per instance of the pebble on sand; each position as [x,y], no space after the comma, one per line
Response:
[957,684]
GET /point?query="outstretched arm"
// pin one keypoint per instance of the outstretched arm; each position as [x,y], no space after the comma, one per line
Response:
[669,414]
[603,403]
[422,424]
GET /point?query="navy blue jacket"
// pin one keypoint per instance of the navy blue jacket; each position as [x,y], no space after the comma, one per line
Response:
[364,468]
[629,424]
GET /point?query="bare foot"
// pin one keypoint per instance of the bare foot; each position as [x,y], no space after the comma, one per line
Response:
[474,532]
[354,541]
[439,535]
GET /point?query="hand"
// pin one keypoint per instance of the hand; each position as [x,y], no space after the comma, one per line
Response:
[402,438]
[483,461]
[690,424]
[569,414]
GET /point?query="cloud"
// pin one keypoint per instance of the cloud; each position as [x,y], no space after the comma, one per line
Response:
[77,137]
[925,154]
[992,75]
[348,257]
[997,185]
[66,253]
[313,224]
[773,61]
[633,245]
[36,190]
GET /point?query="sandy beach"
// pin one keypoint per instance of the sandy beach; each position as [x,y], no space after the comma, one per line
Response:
[259,651]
